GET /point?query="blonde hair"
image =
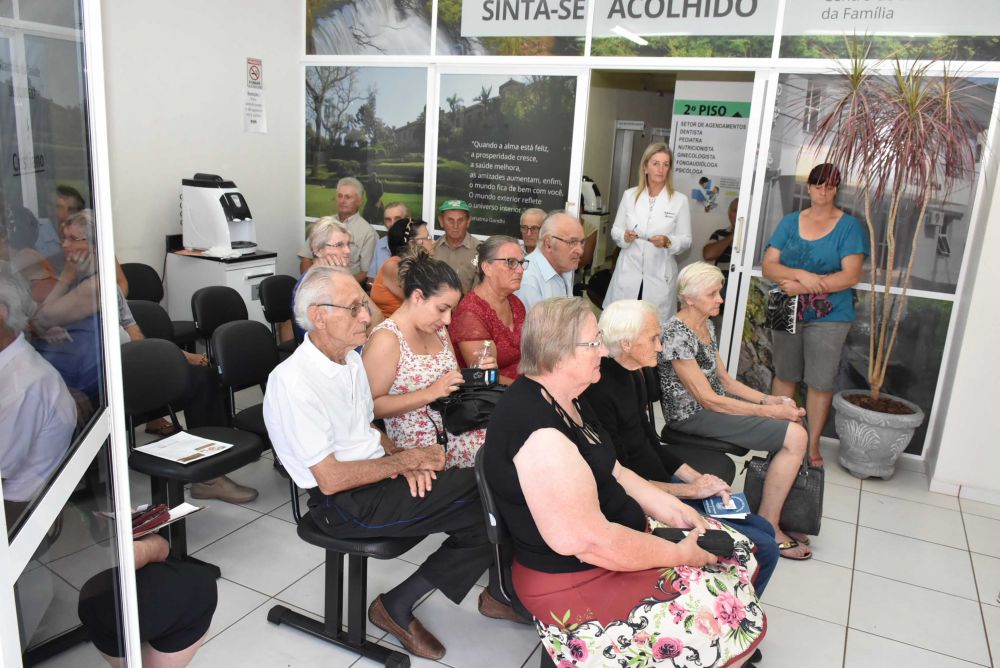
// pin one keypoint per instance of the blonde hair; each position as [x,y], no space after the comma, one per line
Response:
[622,321]
[651,150]
[550,333]
[697,279]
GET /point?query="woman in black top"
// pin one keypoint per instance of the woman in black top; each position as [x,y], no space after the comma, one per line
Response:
[631,331]
[602,589]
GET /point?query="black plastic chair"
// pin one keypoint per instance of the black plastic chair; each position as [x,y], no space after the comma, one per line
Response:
[155,375]
[276,296]
[498,536]
[245,355]
[152,320]
[708,455]
[213,306]
[331,628]
[144,284]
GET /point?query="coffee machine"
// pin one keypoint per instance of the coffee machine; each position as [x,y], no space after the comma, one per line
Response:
[215,217]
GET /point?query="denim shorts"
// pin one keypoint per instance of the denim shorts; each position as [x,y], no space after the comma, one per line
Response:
[811,354]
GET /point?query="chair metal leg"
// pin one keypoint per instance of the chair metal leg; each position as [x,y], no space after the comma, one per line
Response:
[333,604]
[171,492]
[357,573]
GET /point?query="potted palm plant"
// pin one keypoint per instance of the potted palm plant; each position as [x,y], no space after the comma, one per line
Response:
[904,141]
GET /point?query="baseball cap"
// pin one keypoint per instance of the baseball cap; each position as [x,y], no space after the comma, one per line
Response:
[454,205]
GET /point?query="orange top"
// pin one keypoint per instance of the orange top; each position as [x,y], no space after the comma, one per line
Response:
[383,298]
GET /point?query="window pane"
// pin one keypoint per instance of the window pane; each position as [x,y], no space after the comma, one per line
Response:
[504,146]
[940,245]
[74,556]
[511,27]
[365,122]
[50,337]
[376,27]
[63,13]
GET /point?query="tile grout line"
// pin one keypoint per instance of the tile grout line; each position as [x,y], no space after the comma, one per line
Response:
[850,590]
[922,503]
[979,596]
[242,526]
[922,649]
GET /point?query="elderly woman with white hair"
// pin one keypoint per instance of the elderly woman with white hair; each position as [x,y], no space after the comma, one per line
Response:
[631,330]
[701,398]
[602,588]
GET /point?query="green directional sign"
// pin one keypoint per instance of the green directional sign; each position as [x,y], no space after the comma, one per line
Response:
[711,108]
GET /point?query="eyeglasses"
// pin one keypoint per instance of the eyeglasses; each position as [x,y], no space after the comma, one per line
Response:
[533,229]
[511,262]
[596,343]
[338,245]
[570,242]
[421,239]
[353,308]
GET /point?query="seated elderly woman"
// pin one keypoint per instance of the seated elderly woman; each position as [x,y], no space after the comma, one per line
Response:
[410,362]
[489,318]
[700,397]
[603,589]
[409,236]
[631,330]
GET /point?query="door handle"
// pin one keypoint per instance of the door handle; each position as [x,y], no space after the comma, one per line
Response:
[254,276]
[737,240]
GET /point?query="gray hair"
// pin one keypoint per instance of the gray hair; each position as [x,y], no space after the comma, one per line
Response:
[550,332]
[397,205]
[487,250]
[84,219]
[534,211]
[322,230]
[697,279]
[550,222]
[16,299]
[622,321]
[353,183]
[314,289]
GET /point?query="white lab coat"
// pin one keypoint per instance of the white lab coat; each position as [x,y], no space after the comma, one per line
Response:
[642,263]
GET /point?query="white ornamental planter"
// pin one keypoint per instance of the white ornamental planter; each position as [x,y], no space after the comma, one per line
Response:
[871,442]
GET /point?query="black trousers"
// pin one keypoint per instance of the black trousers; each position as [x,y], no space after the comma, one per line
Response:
[386,509]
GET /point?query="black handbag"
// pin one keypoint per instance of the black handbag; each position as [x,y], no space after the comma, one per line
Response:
[803,509]
[782,311]
[468,408]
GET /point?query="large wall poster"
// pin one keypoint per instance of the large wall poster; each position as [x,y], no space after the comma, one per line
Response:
[365,122]
[504,145]
[511,27]
[371,27]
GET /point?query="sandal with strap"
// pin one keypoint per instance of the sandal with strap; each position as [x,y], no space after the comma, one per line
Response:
[798,537]
[784,550]
[816,462]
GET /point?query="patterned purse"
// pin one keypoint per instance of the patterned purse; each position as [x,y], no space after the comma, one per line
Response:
[782,311]
[803,509]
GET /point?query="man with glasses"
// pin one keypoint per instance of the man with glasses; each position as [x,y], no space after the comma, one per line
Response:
[318,409]
[552,263]
[392,212]
[457,248]
[531,223]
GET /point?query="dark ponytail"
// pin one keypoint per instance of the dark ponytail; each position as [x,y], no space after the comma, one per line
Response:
[424,273]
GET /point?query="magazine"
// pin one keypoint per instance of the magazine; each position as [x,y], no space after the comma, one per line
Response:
[184,448]
[738,508]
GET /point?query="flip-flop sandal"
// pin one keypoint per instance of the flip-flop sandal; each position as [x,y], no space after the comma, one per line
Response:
[816,462]
[783,548]
[798,537]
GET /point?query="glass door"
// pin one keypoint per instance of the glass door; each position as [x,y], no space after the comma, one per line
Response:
[63,466]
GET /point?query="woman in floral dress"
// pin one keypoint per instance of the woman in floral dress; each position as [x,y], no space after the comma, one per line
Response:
[410,362]
[603,590]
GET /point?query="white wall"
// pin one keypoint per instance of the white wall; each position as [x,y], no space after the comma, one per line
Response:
[175,73]
[967,452]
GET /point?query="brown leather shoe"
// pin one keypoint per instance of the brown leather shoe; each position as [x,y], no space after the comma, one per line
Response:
[490,607]
[416,639]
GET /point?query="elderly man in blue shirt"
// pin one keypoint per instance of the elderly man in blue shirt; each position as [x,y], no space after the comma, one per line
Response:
[555,258]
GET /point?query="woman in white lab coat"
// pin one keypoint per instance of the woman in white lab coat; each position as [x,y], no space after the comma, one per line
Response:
[653,224]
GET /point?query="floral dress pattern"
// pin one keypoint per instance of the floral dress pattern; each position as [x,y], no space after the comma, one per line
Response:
[419,428]
[704,617]
[680,343]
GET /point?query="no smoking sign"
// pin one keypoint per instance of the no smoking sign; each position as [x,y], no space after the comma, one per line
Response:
[255,73]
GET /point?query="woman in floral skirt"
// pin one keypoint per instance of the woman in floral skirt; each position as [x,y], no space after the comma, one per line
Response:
[603,589]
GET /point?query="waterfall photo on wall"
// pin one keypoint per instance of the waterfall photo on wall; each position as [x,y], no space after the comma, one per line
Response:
[504,145]
[365,122]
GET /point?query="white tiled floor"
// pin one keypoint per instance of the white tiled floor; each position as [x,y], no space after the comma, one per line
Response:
[901,577]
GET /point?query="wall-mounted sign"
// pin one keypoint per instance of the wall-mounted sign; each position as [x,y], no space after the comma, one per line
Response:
[254,111]
[890,17]
[524,18]
[686,17]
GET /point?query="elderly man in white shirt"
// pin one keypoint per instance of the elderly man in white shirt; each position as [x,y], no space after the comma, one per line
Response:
[37,412]
[318,409]
[554,260]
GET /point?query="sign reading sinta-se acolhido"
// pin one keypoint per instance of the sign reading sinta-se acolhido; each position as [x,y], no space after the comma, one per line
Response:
[567,18]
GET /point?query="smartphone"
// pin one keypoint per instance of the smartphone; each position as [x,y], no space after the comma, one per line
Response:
[479,377]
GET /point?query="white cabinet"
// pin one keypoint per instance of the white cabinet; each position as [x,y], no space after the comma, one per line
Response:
[187,273]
